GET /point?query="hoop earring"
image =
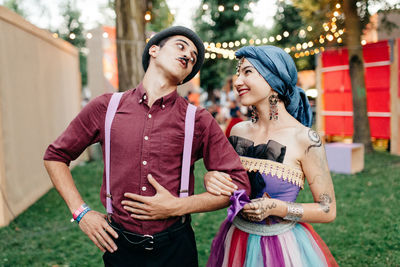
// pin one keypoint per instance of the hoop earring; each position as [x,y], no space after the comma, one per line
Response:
[273,107]
[254,114]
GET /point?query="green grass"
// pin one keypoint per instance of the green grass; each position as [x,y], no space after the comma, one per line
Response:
[366,231]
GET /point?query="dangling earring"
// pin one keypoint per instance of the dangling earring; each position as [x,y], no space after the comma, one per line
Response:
[254,114]
[273,106]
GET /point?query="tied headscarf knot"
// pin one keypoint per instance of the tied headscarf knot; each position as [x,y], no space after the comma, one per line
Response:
[279,70]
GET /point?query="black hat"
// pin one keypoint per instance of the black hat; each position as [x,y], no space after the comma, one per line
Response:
[172,31]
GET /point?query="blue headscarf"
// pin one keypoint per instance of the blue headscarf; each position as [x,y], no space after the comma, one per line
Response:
[279,70]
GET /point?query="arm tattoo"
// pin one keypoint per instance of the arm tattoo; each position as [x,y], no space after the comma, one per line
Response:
[314,138]
[324,201]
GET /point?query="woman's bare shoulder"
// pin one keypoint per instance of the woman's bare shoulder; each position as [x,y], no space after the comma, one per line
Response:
[241,128]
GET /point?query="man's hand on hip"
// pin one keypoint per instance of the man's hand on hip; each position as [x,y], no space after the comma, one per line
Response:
[95,226]
[160,206]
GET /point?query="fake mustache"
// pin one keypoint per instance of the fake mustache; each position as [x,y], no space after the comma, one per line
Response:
[184,59]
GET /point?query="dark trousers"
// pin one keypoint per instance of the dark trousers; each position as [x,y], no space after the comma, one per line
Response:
[175,246]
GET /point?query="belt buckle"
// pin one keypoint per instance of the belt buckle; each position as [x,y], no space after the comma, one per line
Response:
[150,244]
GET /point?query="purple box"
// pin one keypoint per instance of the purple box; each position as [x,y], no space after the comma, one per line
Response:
[345,158]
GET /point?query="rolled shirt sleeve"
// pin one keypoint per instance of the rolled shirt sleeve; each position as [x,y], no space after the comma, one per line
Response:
[218,154]
[84,130]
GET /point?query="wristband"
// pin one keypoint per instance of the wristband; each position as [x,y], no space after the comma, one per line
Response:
[79,211]
[78,219]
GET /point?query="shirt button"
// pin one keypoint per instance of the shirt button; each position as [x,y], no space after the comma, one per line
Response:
[146,138]
[144,188]
[140,101]
[149,116]
[163,106]
[144,97]
[144,162]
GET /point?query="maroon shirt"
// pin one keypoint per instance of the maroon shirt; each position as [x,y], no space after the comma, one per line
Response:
[147,140]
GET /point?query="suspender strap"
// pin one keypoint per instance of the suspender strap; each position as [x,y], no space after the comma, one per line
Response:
[111,110]
[187,150]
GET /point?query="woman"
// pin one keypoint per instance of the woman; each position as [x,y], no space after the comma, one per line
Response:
[279,151]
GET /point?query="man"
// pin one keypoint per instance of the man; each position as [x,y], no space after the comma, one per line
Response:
[150,225]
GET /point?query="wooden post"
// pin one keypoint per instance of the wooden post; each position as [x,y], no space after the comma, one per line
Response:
[319,120]
[394,99]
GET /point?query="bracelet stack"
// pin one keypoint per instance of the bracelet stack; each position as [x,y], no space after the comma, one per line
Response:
[294,211]
[80,212]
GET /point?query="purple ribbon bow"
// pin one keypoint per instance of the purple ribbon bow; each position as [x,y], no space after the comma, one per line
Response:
[238,200]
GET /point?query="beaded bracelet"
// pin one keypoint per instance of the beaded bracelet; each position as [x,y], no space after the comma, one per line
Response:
[82,214]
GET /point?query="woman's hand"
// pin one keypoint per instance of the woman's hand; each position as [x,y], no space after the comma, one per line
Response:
[219,183]
[259,209]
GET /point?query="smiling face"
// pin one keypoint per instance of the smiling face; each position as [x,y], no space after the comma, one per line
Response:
[176,57]
[250,85]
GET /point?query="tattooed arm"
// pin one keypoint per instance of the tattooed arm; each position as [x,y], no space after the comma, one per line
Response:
[315,167]
[314,164]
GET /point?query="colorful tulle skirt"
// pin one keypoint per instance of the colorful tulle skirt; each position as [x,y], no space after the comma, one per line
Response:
[298,246]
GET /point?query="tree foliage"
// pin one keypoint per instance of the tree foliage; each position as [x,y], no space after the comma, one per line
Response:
[215,26]
[15,5]
[288,19]
[161,16]
[72,31]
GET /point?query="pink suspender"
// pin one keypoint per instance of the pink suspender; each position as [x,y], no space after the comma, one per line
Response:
[111,110]
[187,148]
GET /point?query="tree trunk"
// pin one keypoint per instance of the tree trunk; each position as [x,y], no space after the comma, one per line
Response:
[130,41]
[361,133]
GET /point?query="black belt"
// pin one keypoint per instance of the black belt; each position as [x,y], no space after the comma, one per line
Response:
[150,242]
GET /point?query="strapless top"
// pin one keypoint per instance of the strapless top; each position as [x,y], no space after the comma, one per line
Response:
[266,171]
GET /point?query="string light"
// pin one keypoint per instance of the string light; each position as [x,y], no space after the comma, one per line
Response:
[105,34]
[205,7]
[147,16]
[89,35]
[221,8]
[236,7]
[72,36]
[55,35]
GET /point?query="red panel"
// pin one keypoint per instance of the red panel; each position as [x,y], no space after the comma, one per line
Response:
[380,127]
[333,101]
[377,77]
[335,57]
[338,96]
[337,81]
[374,52]
[378,101]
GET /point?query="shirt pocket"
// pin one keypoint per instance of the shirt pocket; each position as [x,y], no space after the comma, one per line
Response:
[171,151]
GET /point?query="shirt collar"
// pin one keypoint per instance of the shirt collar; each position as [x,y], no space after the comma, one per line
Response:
[162,102]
